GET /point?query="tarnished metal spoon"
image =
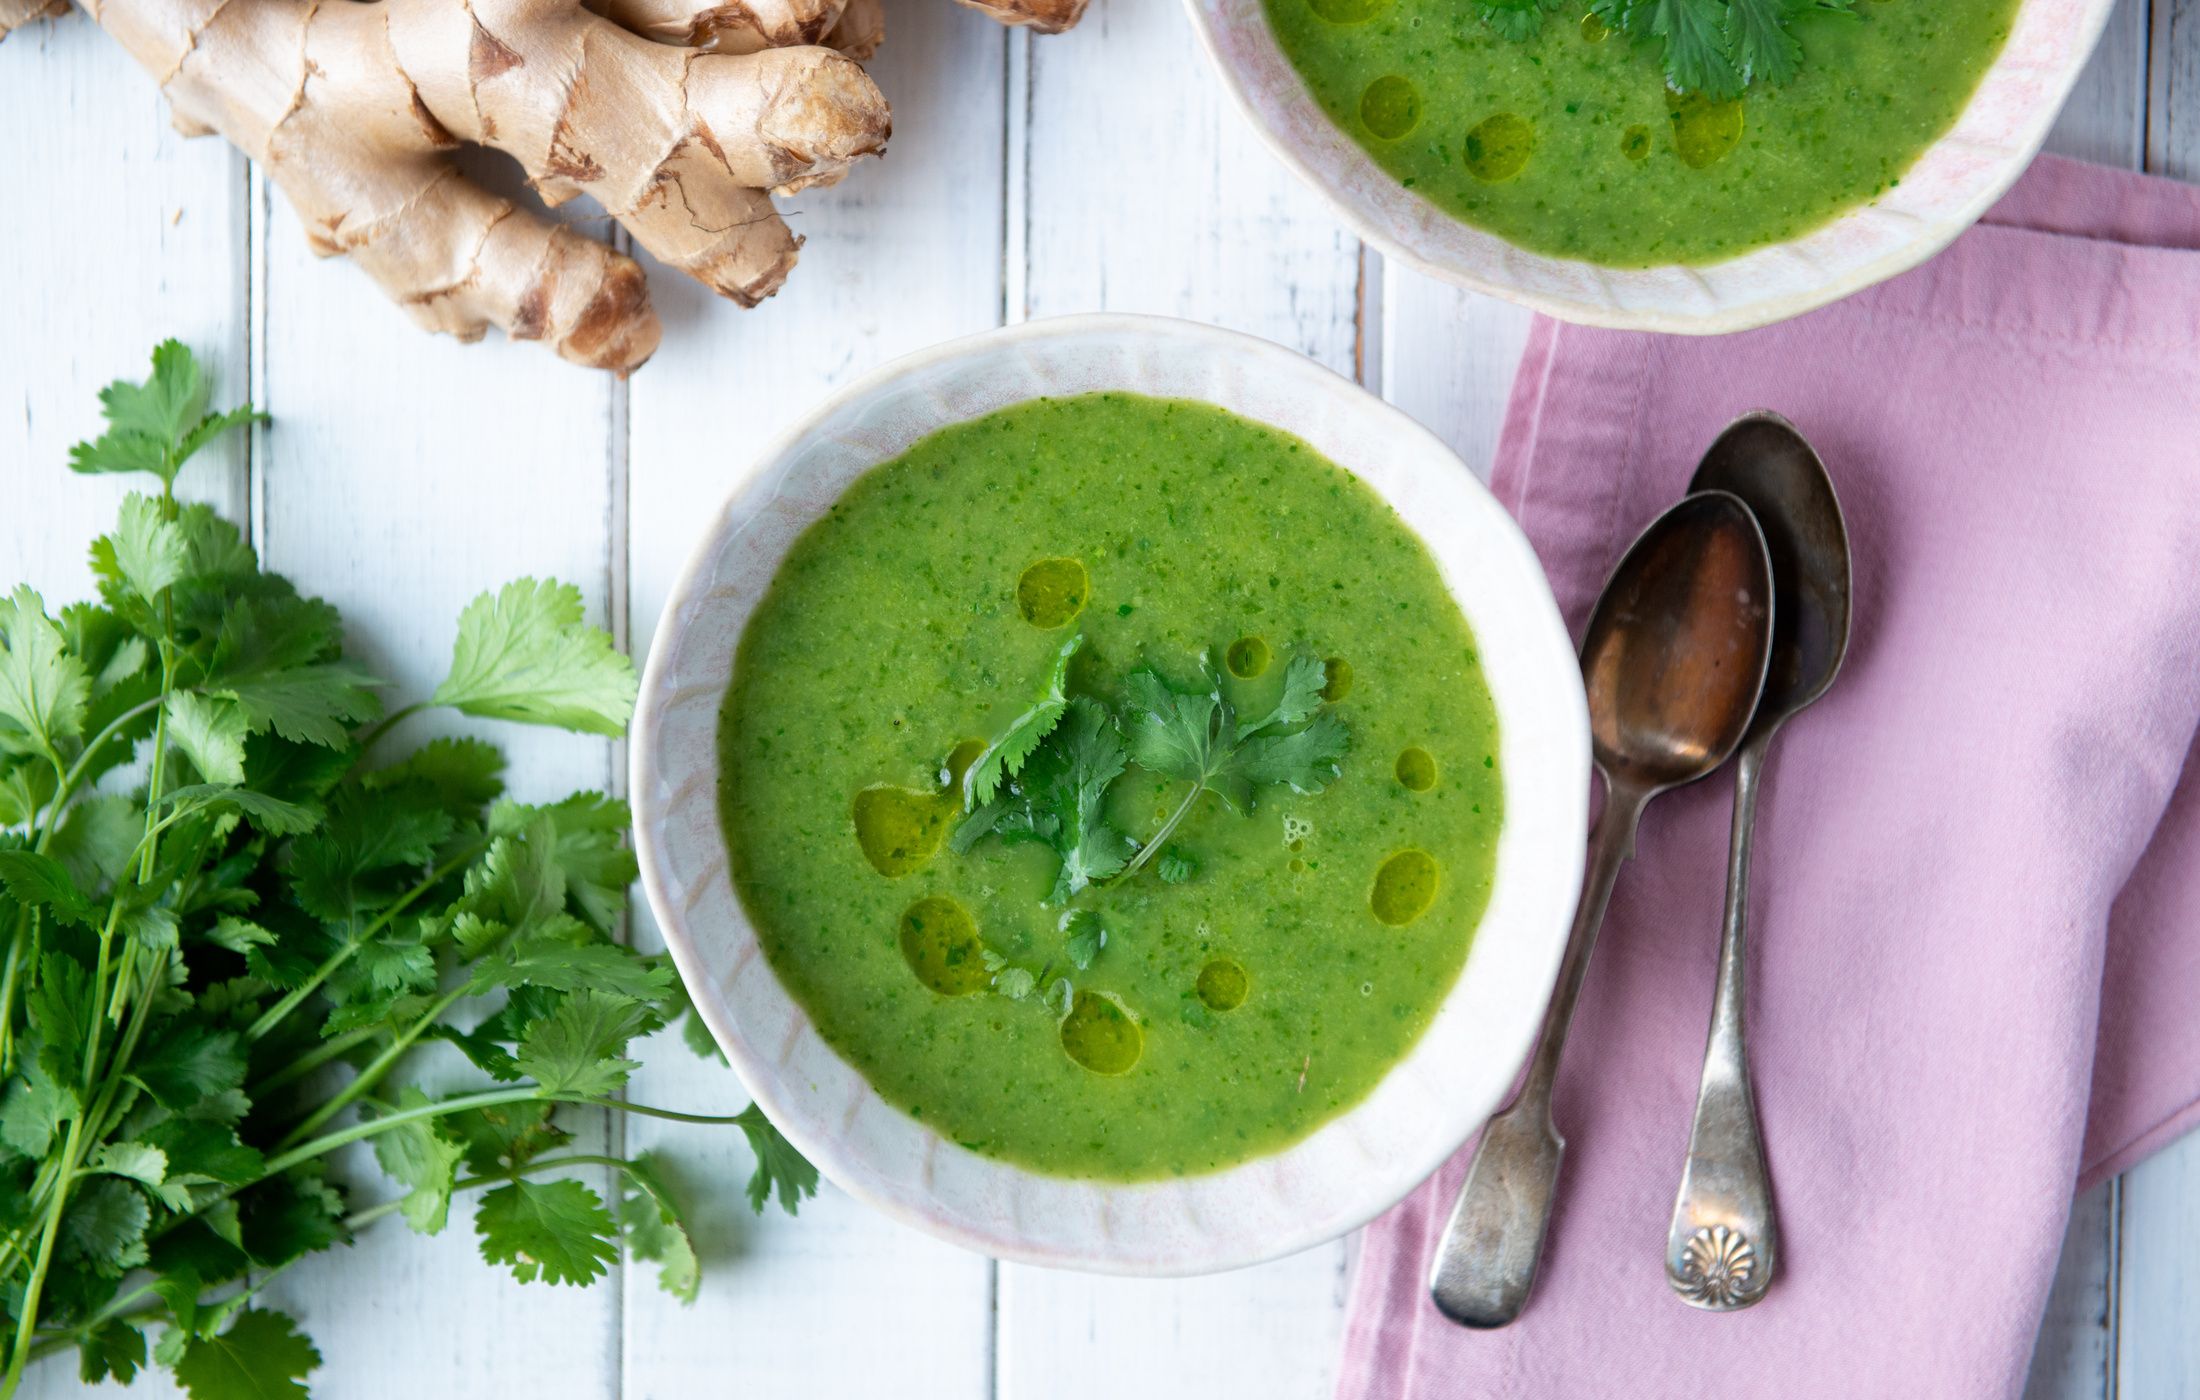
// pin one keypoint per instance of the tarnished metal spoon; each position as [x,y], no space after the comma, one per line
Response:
[1673,659]
[1725,1240]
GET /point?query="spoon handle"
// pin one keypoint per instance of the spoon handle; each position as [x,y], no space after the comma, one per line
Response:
[1724,1241]
[1486,1263]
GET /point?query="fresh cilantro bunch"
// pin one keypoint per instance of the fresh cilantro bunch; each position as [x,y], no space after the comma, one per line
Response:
[228,925]
[1047,778]
[1716,48]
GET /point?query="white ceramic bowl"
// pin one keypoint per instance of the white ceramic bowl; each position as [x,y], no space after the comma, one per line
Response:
[1354,1166]
[1951,184]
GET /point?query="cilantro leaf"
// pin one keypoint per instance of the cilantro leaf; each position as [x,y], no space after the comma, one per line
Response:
[1304,760]
[261,1357]
[1518,20]
[1195,736]
[157,426]
[574,966]
[424,1162]
[112,1349]
[781,1171]
[270,814]
[146,553]
[556,1231]
[1174,867]
[1060,797]
[211,734]
[580,1048]
[36,1105]
[186,1060]
[43,882]
[105,1226]
[463,772]
[1086,937]
[43,689]
[1004,757]
[656,1229]
[524,654]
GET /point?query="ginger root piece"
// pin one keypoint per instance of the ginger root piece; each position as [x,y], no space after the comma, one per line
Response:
[681,117]
[1041,16]
[353,108]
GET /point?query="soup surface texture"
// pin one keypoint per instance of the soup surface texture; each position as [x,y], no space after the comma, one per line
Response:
[1570,144]
[1262,974]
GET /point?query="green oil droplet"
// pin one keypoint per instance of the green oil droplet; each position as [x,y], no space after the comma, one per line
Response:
[957,767]
[940,944]
[1390,107]
[1247,657]
[899,830]
[1704,131]
[1498,147]
[1634,143]
[1345,11]
[1336,679]
[1594,29]
[1404,888]
[1052,591]
[1222,985]
[1100,1035]
[1416,770]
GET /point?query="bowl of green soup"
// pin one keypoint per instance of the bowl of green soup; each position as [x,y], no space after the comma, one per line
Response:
[1532,150]
[1116,791]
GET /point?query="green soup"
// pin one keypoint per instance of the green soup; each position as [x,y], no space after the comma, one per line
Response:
[1291,955]
[1570,144]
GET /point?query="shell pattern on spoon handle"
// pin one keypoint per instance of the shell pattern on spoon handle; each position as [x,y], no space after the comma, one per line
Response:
[1486,1262]
[1724,1241]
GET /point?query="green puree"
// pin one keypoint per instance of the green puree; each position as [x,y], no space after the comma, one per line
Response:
[1569,143]
[1228,1014]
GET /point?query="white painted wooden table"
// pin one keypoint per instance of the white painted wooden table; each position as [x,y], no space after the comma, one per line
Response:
[1097,170]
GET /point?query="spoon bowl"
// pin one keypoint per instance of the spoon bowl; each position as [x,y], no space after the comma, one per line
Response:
[1676,651]
[1764,461]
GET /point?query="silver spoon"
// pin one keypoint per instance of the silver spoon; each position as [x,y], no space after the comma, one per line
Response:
[1725,1240]
[1673,659]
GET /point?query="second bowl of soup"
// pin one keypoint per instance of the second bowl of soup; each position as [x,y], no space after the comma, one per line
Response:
[1536,152]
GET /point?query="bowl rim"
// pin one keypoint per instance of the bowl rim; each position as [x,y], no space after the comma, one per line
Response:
[1930,237]
[832,1152]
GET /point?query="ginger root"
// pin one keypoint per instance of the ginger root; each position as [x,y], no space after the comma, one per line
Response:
[681,117]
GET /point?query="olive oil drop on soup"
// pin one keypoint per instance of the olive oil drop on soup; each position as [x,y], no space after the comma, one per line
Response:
[1114,783]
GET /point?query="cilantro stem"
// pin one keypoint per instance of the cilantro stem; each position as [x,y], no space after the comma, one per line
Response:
[322,1146]
[646,1110]
[372,1074]
[76,770]
[388,722]
[336,1047]
[26,1325]
[1161,837]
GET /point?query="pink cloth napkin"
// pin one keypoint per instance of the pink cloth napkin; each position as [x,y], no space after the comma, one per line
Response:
[1975,915]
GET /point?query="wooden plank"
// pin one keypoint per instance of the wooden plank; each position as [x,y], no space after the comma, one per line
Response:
[2173,107]
[905,252]
[2157,1351]
[2074,1358]
[2105,119]
[122,232]
[1146,192]
[2158,1347]
[405,474]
